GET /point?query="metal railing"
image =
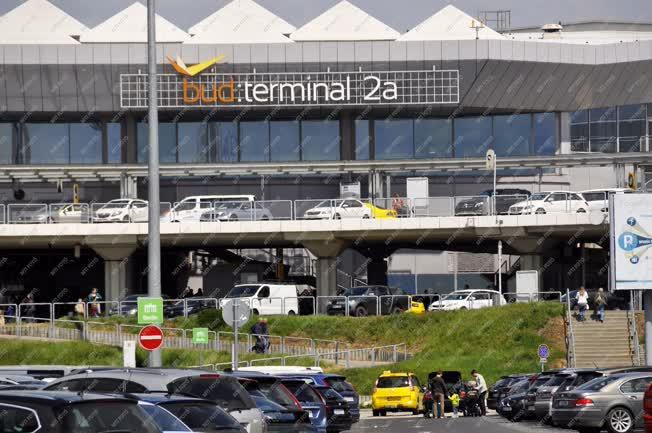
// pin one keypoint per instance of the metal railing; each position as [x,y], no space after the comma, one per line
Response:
[570,337]
[305,209]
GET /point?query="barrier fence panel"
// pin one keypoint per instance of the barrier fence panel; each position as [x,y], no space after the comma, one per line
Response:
[3,214]
[362,306]
[36,213]
[35,312]
[434,207]
[301,305]
[394,304]
[514,297]
[267,306]
[501,203]
[69,309]
[332,305]
[403,206]
[69,330]
[102,308]
[76,213]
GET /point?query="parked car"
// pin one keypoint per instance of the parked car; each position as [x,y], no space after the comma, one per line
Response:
[483,203]
[364,300]
[192,208]
[338,209]
[468,299]
[128,306]
[598,199]
[396,392]
[498,390]
[613,402]
[55,213]
[237,211]
[311,401]
[337,409]
[550,202]
[280,419]
[65,412]
[647,407]
[198,414]
[222,390]
[191,305]
[122,210]
[164,420]
[513,405]
[266,298]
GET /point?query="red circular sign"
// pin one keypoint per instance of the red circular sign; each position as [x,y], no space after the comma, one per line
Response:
[150,338]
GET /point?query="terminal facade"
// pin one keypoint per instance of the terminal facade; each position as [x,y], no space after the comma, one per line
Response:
[293,113]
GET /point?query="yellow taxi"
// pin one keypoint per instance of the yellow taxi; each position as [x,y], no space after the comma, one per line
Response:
[380,213]
[396,392]
[417,307]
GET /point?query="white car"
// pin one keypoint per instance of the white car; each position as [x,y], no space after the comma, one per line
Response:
[338,209]
[266,299]
[598,199]
[550,202]
[122,210]
[192,208]
[468,300]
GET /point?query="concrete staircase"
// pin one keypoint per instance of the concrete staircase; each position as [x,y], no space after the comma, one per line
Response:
[607,344]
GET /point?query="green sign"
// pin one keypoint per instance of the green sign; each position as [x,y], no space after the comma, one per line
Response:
[200,335]
[150,311]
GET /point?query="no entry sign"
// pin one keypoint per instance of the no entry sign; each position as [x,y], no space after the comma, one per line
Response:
[150,338]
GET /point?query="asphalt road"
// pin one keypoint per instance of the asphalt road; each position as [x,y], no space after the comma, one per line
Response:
[417,424]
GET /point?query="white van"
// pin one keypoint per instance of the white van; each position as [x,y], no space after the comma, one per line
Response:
[267,298]
[192,208]
[598,199]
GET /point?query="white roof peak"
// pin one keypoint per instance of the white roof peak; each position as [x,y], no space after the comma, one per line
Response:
[449,23]
[238,11]
[130,26]
[40,17]
[344,22]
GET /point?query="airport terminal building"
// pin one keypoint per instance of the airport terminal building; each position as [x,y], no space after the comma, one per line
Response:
[250,104]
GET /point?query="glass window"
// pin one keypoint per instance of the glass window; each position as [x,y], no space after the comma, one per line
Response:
[192,142]
[284,140]
[254,141]
[167,142]
[603,114]
[512,135]
[545,134]
[320,140]
[114,142]
[6,142]
[16,419]
[603,137]
[85,143]
[224,138]
[472,136]
[362,139]
[394,138]
[579,137]
[631,112]
[432,138]
[47,143]
[581,116]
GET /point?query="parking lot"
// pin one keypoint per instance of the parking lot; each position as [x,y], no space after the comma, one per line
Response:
[409,423]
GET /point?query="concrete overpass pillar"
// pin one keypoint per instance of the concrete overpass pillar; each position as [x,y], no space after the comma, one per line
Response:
[327,253]
[117,266]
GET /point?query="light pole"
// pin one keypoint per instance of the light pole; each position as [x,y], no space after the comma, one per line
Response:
[153,221]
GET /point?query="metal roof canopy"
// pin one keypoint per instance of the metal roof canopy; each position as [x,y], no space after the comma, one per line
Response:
[449,23]
[130,25]
[238,11]
[42,173]
[345,22]
[40,17]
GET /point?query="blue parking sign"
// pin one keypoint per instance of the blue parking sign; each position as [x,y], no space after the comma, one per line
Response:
[544,351]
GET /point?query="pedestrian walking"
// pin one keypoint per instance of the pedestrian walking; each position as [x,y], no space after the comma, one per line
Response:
[582,299]
[455,403]
[261,331]
[439,394]
[30,308]
[93,300]
[600,304]
[482,391]
[79,308]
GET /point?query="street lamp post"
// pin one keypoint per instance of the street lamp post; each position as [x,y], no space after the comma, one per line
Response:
[153,221]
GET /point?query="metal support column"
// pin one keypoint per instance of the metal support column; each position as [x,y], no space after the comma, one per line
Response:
[647,306]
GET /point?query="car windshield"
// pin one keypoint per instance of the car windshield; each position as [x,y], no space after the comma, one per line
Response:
[456,296]
[230,205]
[96,417]
[598,383]
[339,384]
[243,291]
[538,196]
[303,392]
[164,419]
[595,196]
[118,204]
[355,291]
[393,382]
[201,416]
[223,390]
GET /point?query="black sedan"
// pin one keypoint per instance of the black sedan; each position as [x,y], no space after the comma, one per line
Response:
[483,203]
[280,419]
[365,300]
[337,409]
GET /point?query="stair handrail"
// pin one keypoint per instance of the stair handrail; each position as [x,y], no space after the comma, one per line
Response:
[635,348]
[570,338]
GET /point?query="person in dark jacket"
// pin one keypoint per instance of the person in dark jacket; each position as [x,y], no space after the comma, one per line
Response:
[439,394]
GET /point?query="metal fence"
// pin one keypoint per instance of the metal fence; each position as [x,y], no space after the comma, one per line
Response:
[124,211]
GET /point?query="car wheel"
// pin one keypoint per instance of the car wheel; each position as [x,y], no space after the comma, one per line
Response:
[397,310]
[365,217]
[581,210]
[620,420]
[337,216]
[361,311]
[265,218]
[291,313]
[463,308]
[233,218]
[255,312]
[375,412]
[383,413]
[416,412]
[540,211]
[126,219]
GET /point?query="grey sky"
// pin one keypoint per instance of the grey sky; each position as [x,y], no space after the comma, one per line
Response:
[400,14]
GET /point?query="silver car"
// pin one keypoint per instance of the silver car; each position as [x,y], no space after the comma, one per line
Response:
[613,402]
[225,391]
[238,211]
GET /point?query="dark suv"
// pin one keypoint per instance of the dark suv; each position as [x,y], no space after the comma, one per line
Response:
[482,204]
[363,301]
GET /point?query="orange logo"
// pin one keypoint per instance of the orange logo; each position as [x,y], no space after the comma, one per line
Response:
[193,70]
